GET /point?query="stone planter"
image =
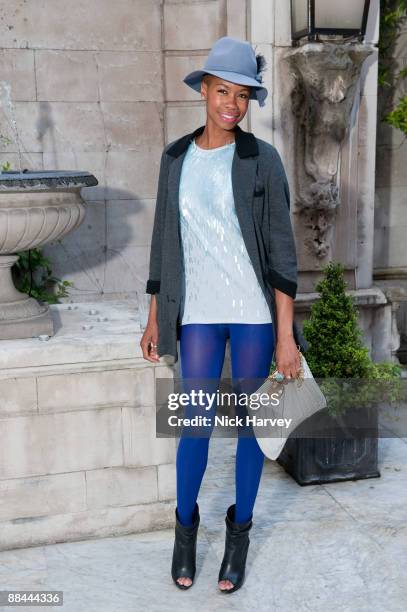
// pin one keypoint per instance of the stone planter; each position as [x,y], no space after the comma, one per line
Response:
[35,208]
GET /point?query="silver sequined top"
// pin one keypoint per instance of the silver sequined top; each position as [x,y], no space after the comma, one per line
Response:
[219,282]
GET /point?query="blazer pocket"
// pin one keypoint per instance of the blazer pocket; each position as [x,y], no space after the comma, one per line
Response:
[258,202]
[258,192]
[258,187]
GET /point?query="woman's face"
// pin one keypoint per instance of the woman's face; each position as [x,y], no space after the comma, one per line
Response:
[226,102]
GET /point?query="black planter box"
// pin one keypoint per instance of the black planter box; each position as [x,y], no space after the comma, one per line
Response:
[335,457]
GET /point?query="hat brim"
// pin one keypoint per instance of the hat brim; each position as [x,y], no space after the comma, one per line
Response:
[259,93]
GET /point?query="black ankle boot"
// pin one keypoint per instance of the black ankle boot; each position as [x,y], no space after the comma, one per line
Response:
[184,554]
[236,547]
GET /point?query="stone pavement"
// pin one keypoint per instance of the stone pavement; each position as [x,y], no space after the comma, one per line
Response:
[340,547]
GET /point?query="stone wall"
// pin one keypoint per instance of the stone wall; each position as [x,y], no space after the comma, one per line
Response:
[390,260]
[391,187]
[86,86]
[79,455]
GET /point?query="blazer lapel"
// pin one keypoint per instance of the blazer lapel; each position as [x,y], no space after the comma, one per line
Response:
[243,184]
[174,179]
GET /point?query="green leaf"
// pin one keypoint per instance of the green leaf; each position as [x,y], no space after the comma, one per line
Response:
[336,350]
[34,270]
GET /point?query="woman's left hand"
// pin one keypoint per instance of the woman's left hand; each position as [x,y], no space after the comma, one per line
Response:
[288,359]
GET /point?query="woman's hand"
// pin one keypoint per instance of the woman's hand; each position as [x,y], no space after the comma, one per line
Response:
[288,359]
[149,342]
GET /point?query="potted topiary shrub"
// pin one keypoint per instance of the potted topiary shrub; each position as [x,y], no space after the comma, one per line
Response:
[345,446]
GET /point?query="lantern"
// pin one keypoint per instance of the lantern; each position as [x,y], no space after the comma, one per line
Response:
[345,18]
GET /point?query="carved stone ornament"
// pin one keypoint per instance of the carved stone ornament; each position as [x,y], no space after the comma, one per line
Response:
[325,77]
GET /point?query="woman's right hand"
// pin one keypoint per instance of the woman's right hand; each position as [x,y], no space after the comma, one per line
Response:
[149,342]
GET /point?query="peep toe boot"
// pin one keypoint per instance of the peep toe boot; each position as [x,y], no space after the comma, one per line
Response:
[236,547]
[184,554]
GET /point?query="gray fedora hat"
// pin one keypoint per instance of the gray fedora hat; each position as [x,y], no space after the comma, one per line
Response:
[233,60]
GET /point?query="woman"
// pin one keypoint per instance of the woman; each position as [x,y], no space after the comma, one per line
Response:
[222,266]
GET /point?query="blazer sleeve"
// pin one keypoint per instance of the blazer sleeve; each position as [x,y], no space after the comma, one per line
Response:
[154,275]
[282,268]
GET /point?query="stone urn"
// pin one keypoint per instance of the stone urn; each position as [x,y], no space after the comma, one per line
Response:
[35,208]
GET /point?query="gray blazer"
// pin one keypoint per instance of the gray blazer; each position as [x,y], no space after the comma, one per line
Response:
[262,201]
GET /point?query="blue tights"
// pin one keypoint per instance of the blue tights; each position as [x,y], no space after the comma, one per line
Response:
[202,351]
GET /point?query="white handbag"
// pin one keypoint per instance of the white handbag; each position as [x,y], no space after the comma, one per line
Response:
[290,403]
